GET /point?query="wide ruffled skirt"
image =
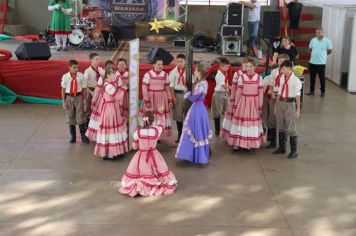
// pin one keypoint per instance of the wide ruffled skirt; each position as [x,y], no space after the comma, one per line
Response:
[245,127]
[97,105]
[112,137]
[194,143]
[148,175]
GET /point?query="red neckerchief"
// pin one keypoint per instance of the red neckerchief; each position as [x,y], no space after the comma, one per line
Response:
[277,82]
[285,85]
[73,85]
[181,79]
[156,72]
[96,70]
[250,76]
[122,74]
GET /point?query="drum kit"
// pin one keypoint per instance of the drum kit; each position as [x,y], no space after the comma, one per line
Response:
[86,33]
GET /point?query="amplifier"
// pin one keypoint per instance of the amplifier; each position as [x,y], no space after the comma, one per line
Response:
[232,30]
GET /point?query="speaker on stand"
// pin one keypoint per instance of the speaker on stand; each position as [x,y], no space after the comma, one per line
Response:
[271,30]
[231,31]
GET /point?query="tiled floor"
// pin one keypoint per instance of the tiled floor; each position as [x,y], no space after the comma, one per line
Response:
[49,187]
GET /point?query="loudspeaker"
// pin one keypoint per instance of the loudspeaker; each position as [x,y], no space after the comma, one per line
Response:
[231,30]
[156,51]
[271,24]
[33,51]
[234,14]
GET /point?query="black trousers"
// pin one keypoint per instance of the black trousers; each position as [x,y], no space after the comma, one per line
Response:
[314,70]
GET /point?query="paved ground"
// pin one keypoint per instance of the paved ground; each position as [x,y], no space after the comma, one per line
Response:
[49,187]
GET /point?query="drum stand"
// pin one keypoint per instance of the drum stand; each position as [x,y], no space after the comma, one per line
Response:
[87,42]
[111,41]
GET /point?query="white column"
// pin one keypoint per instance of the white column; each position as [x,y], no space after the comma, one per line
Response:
[352,71]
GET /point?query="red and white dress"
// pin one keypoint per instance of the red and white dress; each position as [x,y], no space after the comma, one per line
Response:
[112,138]
[245,127]
[147,173]
[156,91]
[231,104]
[96,106]
[124,80]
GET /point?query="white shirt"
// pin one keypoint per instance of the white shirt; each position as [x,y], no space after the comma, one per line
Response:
[67,79]
[100,81]
[270,80]
[254,13]
[220,81]
[174,81]
[90,76]
[294,86]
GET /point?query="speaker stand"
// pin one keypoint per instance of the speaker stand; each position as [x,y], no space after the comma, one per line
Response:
[268,42]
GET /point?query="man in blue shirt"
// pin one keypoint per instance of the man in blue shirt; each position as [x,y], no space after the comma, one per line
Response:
[320,47]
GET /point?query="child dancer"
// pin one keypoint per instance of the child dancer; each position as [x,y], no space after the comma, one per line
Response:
[178,85]
[111,140]
[96,106]
[123,76]
[147,173]
[271,84]
[92,75]
[155,90]
[194,143]
[287,109]
[226,125]
[60,22]
[220,96]
[73,87]
[246,126]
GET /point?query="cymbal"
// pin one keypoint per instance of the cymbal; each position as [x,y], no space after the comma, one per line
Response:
[94,8]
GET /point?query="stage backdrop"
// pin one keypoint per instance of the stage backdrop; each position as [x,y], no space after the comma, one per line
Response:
[123,13]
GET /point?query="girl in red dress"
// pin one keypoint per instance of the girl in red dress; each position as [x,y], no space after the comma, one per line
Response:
[147,173]
[246,125]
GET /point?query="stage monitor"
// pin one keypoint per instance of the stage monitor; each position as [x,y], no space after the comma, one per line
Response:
[33,51]
[156,51]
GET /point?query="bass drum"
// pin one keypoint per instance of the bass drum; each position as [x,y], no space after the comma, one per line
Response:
[76,37]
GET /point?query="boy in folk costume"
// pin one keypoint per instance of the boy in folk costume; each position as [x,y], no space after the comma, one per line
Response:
[92,75]
[220,96]
[178,86]
[124,81]
[155,90]
[74,98]
[271,85]
[60,22]
[287,109]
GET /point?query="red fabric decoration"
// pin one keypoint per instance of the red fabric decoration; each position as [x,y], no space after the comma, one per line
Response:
[28,37]
[24,77]
[6,55]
